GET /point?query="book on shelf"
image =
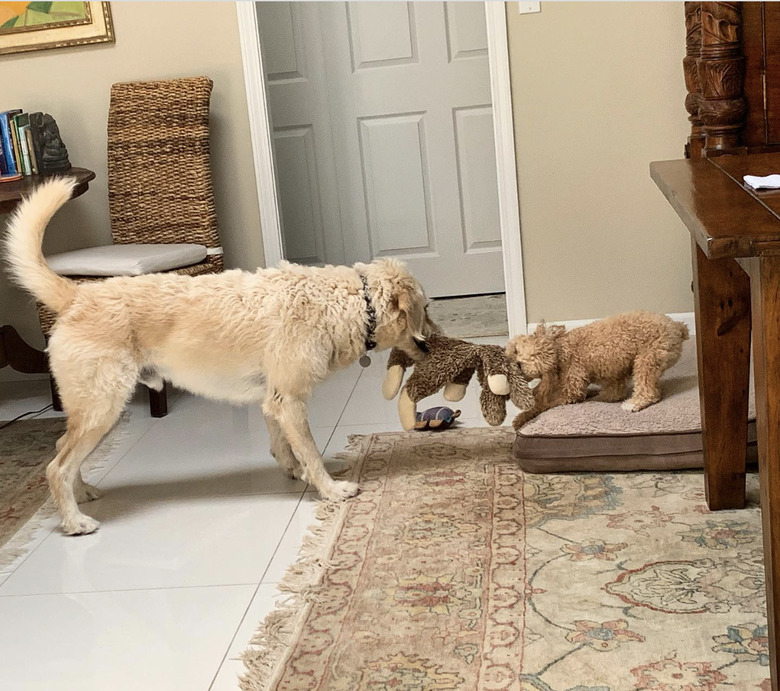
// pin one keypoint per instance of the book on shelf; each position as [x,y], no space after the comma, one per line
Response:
[3,164]
[21,142]
[31,149]
[7,142]
[19,122]
[15,140]
[36,133]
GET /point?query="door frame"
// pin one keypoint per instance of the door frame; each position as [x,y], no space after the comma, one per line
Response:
[503,130]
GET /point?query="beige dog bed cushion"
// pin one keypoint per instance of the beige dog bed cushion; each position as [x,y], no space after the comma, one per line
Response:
[597,436]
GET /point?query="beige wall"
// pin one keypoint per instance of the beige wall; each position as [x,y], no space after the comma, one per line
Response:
[598,93]
[154,40]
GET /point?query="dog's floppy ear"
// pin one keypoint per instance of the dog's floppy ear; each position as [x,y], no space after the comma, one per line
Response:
[412,304]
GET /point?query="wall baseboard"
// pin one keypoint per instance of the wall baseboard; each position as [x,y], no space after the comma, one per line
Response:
[8,375]
[686,318]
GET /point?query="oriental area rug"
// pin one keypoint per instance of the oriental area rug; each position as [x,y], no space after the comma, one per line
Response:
[26,447]
[454,570]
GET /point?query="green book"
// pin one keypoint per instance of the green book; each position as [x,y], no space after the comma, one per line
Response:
[23,120]
[31,148]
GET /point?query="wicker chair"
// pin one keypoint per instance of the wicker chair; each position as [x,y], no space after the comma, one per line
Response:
[159,177]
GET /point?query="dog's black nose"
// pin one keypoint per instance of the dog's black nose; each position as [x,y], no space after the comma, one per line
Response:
[422,345]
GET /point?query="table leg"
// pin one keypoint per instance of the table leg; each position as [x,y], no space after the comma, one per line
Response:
[765,286]
[722,301]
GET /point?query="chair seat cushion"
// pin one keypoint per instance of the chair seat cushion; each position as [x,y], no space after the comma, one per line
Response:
[125,260]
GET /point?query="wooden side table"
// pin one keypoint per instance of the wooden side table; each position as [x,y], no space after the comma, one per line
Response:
[735,244]
[14,352]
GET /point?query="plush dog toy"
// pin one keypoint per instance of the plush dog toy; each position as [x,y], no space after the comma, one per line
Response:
[607,352]
[450,363]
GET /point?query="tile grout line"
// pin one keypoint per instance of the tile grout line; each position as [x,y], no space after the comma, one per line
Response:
[287,527]
[254,593]
[129,590]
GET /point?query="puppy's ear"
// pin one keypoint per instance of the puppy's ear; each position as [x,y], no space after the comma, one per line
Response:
[556,331]
[511,348]
[541,328]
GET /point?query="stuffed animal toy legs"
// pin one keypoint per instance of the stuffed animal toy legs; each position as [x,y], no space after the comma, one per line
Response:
[450,363]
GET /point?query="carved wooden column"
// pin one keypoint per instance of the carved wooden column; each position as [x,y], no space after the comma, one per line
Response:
[693,148]
[721,72]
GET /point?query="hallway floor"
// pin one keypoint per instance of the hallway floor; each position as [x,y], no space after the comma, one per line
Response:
[474,316]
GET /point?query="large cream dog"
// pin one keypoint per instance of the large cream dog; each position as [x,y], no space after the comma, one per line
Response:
[267,336]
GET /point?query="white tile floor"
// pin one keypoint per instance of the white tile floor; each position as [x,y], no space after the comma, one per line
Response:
[198,526]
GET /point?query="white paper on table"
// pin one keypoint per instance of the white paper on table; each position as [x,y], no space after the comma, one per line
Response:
[767,182]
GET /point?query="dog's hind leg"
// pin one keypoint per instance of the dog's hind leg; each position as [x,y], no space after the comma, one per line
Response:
[648,368]
[82,491]
[280,448]
[86,427]
[291,414]
[62,472]
[612,390]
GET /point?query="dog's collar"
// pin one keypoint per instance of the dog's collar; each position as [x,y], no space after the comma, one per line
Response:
[370,316]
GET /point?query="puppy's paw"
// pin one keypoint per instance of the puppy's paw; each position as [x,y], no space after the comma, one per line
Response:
[633,406]
[80,525]
[85,493]
[339,491]
[523,418]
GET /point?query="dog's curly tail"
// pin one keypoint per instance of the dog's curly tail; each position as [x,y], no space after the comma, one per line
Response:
[23,244]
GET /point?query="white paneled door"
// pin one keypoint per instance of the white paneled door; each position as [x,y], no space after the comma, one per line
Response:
[383,135]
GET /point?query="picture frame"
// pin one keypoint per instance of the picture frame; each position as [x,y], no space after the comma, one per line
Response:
[44,25]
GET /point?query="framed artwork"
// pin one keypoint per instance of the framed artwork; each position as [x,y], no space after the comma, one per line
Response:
[26,26]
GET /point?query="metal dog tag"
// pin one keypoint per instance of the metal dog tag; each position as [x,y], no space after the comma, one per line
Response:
[364,361]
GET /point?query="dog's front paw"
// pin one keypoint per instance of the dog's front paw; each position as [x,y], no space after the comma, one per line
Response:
[294,472]
[85,493]
[339,491]
[80,525]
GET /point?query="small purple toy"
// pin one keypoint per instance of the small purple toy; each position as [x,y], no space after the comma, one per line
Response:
[438,417]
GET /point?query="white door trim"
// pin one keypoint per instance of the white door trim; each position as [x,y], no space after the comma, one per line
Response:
[260,133]
[506,166]
[503,127]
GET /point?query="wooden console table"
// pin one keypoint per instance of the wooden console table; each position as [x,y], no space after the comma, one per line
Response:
[14,352]
[736,267]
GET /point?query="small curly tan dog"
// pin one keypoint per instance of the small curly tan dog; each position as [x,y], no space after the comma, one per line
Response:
[607,352]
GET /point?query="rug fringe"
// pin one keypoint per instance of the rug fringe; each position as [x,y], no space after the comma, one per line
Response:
[271,641]
[18,545]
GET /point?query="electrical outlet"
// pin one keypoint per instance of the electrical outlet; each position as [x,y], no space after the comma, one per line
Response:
[529,7]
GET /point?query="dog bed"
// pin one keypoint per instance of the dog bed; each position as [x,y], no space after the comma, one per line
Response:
[602,437]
